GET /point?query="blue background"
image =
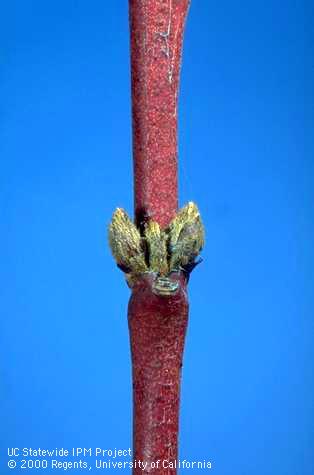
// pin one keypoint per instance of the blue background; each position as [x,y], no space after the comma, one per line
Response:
[246,157]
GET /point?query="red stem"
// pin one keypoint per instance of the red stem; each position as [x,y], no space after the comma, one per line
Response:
[157,323]
[157,329]
[156,43]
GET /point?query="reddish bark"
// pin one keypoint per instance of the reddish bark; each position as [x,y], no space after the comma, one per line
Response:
[157,329]
[157,323]
[156,43]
